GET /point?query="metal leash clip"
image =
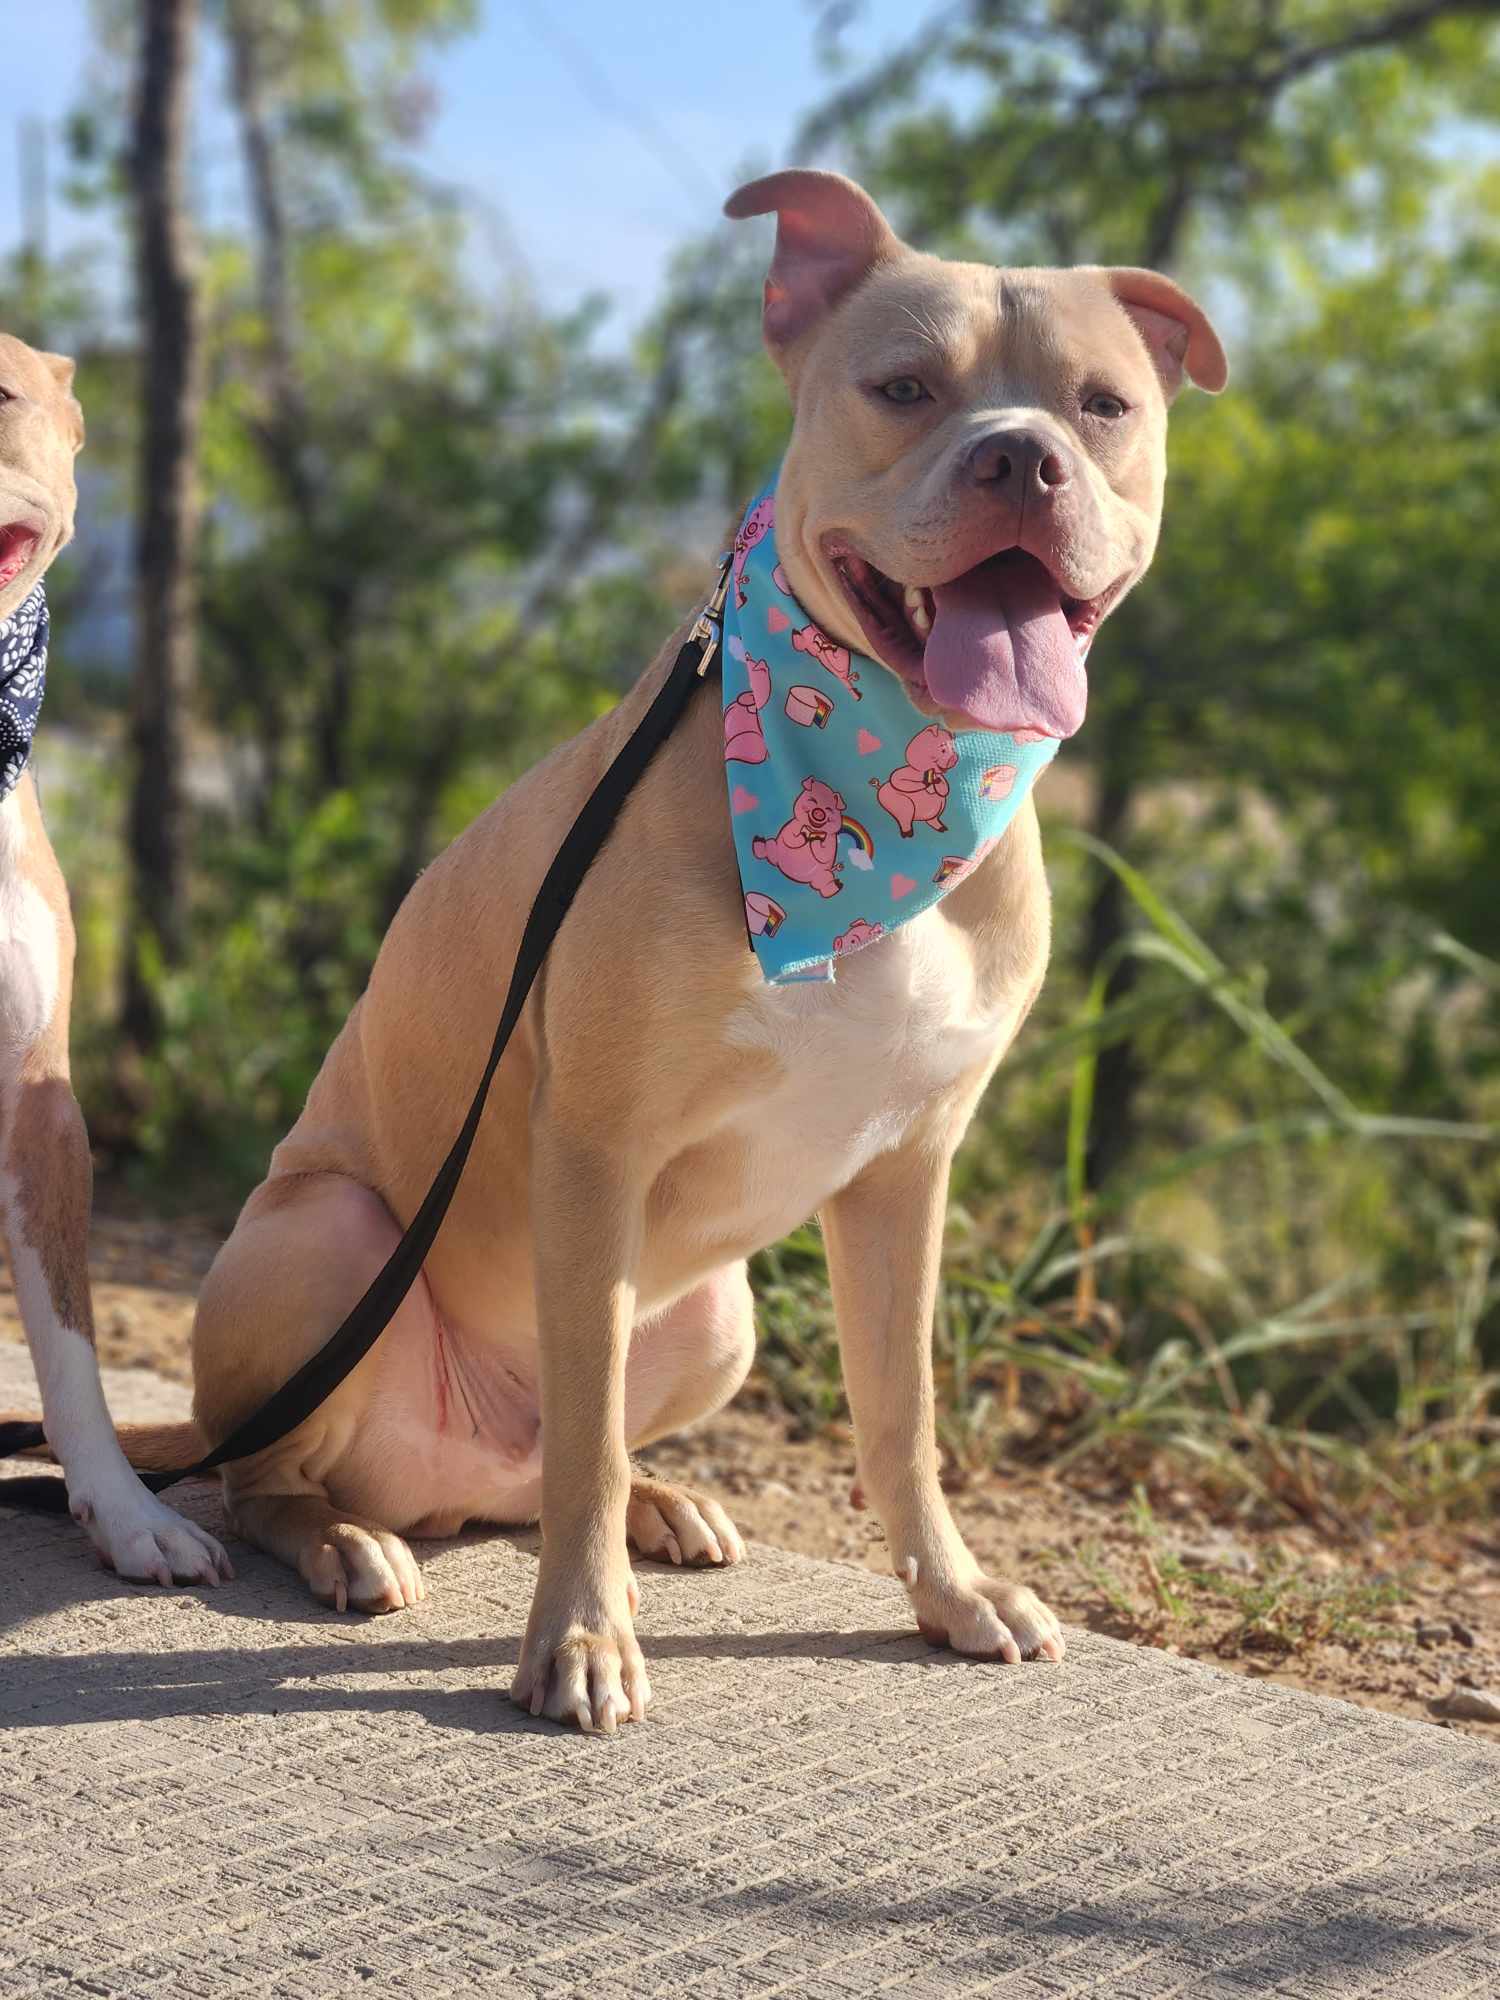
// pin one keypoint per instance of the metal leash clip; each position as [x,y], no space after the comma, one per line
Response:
[710,625]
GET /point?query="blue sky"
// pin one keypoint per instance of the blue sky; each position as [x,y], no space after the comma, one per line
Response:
[553,117]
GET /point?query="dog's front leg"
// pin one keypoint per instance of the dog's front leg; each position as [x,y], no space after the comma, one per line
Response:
[884,1236]
[579,1660]
[44,1212]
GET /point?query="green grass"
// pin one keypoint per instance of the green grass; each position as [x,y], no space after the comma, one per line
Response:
[1290,1298]
[1099,1329]
[1284,1609]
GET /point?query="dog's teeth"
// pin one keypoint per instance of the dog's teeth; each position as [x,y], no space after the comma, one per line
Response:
[916,605]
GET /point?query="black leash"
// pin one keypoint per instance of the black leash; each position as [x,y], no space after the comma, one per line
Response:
[344,1349]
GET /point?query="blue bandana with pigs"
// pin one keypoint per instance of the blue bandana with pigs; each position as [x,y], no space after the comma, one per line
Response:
[852,811]
[23,682]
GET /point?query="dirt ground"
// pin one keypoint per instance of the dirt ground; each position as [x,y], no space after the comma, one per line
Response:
[1391,1625]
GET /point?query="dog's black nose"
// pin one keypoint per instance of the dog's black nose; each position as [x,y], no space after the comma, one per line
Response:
[1017,464]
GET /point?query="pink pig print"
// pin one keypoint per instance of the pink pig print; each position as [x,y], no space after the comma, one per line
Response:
[754,528]
[997,782]
[818,646]
[744,742]
[918,790]
[806,848]
[860,932]
[954,867]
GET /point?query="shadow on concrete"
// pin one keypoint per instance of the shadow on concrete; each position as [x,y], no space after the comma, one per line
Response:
[40,1690]
[1239,1937]
[50,1565]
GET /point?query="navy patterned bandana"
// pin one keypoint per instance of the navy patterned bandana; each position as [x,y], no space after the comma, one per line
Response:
[23,681]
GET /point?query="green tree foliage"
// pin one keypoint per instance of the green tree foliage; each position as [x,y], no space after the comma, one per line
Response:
[1288,721]
[416,572]
[1322,172]
[1237,1189]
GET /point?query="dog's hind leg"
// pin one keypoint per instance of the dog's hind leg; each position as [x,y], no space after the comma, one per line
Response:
[685,1363]
[321,1499]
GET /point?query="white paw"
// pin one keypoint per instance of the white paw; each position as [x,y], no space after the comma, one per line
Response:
[988,1619]
[139,1537]
[674,1524]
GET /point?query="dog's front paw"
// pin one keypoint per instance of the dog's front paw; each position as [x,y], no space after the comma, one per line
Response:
[580,1661]
[987,1619]
[140,1538]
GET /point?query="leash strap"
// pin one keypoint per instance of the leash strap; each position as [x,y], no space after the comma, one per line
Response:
[345,1348]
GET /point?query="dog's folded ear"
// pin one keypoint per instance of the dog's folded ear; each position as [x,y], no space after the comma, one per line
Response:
[62,367]
[829,236]
[1177,331]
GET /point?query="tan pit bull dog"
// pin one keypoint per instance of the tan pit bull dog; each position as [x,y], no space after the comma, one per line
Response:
[663,1111]
[45,1172]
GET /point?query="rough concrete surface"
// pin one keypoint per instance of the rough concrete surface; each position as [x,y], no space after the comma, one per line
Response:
[237,1792]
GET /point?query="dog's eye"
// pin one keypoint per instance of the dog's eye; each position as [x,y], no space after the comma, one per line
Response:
[1104,405]
[904,389]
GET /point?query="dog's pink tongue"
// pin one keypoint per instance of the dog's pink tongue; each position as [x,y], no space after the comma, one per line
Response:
[1000,650]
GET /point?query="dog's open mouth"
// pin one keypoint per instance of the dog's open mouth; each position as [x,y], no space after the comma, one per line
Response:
[18,541]
[1002,644]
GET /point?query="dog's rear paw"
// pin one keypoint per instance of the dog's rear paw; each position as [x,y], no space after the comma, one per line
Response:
[141,1539]
[357,1566]
[677,1524]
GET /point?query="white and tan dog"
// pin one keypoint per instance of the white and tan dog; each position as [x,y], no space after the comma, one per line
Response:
[662,1111]
[45,1179]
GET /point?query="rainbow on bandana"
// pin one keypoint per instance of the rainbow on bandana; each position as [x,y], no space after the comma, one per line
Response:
[809,724]
[862,848]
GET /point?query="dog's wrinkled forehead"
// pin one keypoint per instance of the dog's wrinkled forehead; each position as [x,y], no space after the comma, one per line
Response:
[40,384]
[980,336]
[41,430]
[975,474]
[838,266]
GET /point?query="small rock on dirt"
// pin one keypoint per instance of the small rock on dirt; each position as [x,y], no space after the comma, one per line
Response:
[1221,1553]
[1466,1704]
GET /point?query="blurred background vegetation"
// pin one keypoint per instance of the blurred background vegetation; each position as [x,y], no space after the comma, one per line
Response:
[385,532]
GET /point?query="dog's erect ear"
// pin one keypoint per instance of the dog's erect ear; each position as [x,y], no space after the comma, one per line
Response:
[61,367]
[1177,331]
[829,235]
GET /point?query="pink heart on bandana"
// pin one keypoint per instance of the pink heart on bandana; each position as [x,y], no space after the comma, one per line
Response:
[866,743]
[741,801]
[777,619]
[901,885]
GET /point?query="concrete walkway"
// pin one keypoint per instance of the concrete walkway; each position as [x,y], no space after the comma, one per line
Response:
[233,1793]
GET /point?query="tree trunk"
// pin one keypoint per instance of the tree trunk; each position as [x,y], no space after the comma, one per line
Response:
[167,512]
[1118,1073]
[286,427]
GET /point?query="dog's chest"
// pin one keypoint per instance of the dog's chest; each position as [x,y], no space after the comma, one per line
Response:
[858,1062]
[29,965]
